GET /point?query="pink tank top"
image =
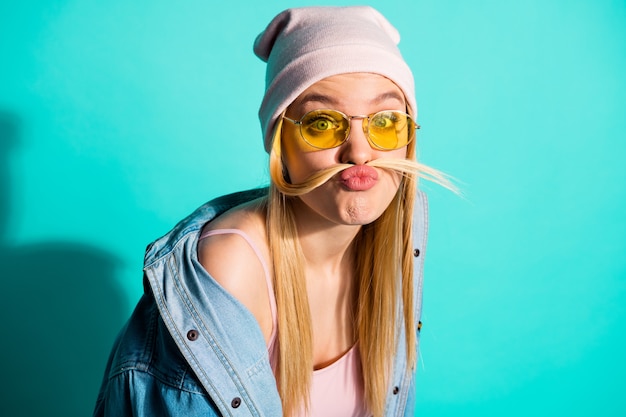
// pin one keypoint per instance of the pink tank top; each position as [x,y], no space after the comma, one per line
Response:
[337,389]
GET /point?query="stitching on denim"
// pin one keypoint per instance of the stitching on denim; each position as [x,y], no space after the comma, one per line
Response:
[169,322]
[259,366]
[183,296]
[211,340]
[157,377]
[234,376]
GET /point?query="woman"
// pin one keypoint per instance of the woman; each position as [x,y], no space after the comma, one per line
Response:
[303,298]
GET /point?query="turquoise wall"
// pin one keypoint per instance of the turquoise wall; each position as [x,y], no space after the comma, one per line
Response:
[118,118]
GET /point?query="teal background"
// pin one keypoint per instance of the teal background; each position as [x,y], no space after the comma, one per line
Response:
[117,118]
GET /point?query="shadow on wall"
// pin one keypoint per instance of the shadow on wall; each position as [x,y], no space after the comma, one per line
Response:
[60,309]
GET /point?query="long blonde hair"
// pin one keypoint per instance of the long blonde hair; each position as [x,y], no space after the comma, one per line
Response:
[384,274]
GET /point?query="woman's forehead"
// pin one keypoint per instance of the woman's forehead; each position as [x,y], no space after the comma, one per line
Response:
[351,88]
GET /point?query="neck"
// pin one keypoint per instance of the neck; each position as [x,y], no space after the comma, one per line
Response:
[326,245]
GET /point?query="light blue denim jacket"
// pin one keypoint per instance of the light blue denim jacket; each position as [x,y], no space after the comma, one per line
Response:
[191,349]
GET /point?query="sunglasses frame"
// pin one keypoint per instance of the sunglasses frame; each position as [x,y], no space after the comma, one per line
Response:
[368,117]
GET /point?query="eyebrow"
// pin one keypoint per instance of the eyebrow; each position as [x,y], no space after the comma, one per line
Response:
[321,98]
[390,95]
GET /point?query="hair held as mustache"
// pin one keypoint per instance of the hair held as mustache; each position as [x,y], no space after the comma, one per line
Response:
[403,167]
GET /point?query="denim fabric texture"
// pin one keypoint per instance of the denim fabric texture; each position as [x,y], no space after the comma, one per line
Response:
[191,349]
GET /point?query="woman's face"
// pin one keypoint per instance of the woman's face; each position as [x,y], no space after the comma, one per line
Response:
[360,194]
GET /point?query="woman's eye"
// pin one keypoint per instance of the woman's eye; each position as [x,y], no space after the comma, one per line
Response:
[383,122]
[321,124]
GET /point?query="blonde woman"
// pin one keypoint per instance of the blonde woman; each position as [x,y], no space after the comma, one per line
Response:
[302,299]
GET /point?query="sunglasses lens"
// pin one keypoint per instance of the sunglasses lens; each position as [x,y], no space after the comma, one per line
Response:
[324,129]
[391,129]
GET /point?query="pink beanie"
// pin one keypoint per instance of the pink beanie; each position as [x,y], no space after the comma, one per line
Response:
[304,45]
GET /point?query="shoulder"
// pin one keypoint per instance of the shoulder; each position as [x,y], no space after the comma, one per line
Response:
[236,241]
[237,257]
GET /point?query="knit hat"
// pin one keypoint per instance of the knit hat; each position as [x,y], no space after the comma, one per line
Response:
[305,45]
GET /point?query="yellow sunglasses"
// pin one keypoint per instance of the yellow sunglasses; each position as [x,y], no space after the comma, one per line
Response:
[385,130]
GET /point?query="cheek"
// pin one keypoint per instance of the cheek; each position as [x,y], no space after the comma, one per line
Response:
[302,160]
[401,153]
[301,166]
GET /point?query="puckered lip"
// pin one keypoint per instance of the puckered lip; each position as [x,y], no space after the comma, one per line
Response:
[359,178]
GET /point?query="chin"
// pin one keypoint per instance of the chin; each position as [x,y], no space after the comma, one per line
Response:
[361,215]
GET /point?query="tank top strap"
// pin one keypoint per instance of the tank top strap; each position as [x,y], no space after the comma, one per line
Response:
[268,278]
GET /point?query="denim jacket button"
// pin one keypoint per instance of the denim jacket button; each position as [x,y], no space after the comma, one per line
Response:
[416,253]
[192,335]
[236,402]
[396,390]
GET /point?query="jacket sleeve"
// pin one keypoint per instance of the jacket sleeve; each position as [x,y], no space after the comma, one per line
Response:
[138,394]
[146,376]
[114,399]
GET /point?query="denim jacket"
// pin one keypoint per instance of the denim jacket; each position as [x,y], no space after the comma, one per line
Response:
[191,349]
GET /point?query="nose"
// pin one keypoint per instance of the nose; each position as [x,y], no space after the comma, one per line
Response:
[356,150]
